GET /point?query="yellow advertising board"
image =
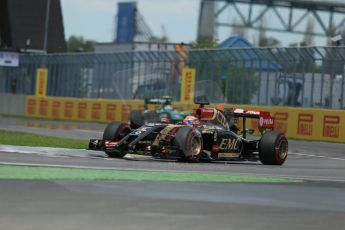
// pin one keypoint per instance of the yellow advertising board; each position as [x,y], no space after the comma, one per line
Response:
[187,85]
[305,123]
[56,108]
[81,109]
[41,82]
[31,106]
[299,123]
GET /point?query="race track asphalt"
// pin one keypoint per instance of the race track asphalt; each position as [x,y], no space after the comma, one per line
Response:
[316,203]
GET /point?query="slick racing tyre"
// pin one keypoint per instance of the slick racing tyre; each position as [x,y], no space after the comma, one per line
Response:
[136,119]
[273,148]
[115,131]
[189,141]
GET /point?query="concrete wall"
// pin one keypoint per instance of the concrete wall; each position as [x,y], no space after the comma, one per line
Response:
[12,104]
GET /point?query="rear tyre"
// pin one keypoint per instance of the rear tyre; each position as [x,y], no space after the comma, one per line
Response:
[115,131]
[273,148]
[136,119]
[189,141]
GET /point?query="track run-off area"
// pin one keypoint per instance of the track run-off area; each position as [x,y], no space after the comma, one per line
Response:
[307,192]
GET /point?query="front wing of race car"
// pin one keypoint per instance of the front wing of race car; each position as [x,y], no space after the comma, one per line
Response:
[131,142]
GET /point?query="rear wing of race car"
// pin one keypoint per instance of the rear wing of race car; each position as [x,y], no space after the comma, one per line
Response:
[225,117]
[264,117]
[156,101]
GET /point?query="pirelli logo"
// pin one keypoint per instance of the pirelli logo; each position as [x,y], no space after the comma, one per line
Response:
[41,82]
[82,110]
[96,111]
[331,126]
[56,107]
[69,105]
[31,108]
[43,111]
[305,124]
[126,109]
[187,85]
[280,122]
[110,112]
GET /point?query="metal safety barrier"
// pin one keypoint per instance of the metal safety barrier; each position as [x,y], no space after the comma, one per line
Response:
[297,77]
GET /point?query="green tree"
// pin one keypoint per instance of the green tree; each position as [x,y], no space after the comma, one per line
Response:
[79,44]
[221,80]
[204,42]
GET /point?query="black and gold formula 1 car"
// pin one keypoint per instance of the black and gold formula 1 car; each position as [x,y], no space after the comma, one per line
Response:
[210,134]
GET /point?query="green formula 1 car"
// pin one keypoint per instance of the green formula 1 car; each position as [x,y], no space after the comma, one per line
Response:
[163,113]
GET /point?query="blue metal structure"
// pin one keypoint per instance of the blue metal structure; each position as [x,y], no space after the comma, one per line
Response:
[126,21]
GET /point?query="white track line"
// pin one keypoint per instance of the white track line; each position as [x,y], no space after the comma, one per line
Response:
[48,151]
[318,156]
[24,150]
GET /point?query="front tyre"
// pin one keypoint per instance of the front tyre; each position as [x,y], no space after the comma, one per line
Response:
[136,119]
[115,131]
[189,141]
[273,148]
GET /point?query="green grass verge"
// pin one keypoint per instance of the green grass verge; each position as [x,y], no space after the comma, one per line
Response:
[49,173]
[27,139]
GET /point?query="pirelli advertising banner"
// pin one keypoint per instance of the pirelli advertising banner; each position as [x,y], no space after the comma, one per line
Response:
[80,109]
[305,124]
[299,123]
[187,85]
[41,82]
[310,124]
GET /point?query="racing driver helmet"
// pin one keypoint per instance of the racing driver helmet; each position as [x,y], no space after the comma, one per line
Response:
[190,120]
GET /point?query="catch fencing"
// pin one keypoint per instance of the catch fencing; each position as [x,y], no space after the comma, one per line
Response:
[297,77]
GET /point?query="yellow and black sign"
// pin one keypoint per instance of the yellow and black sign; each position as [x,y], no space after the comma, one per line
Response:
[41,82]
[299,123]
[187,85]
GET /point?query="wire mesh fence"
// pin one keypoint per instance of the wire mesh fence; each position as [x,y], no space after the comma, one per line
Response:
[299,77]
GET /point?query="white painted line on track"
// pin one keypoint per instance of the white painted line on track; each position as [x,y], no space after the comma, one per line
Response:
[56,152]
[318,156]
[301,177]
[65,166]
[50,151]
